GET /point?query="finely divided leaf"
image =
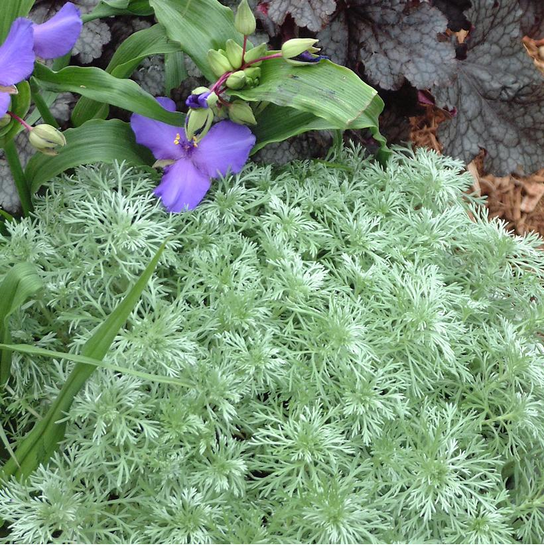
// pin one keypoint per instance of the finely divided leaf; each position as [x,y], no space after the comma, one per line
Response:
[498,95]
[399,40]
[41,442]
[312,14]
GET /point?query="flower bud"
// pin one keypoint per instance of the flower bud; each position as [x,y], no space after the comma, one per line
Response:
[293,48]
[198,98]
[46,139]
[240,112]
[256,53]
[218,63]
[252,72]
[305,58]
[5,121]
[234,54]
[198,123]
[245,21]
[236,80]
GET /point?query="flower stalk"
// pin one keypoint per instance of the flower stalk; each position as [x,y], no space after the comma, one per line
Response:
[21,183]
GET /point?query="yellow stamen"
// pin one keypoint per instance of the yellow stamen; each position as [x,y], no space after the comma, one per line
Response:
[177,140]
[195,142]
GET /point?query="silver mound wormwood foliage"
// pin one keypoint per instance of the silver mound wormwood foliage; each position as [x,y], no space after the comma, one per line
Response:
[363,346]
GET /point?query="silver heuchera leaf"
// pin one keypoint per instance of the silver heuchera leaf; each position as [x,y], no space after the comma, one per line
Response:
[498,95]
[532,21]
[312,14]
[399,40]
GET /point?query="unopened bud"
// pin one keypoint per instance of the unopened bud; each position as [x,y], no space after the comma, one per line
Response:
[234,54]
[219,63]
[236,80]
[245,21]
[46,139]
[240,112]
[5,121]
[198,123]
[256,53]
[293,48]
[253,72]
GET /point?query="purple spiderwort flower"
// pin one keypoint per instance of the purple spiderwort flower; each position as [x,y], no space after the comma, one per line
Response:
[26,40]
[196,101]
[187,179]
[56,37]
[16,60]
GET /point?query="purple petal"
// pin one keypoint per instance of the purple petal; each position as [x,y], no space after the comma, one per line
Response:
[182,187]
[159,137]
[5,100]
[56,37]
[16,53]
[226,147]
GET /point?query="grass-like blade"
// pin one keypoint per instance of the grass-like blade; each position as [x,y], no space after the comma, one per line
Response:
[38,446]
[76,358]
[19,284]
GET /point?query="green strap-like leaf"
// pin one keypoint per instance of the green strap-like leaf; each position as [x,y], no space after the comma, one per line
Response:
[197,25]
[20,104]
[21,282]
[38,446]
[36,351]
[98,85]
[105,9]
[9,11]
[96,141]
[127,57]
[325,90]
[174,71]
[278,123]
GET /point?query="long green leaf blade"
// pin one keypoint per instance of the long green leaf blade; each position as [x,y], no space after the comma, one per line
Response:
[197,26]
[96,141]
[9,11]
[38,446]
[76,358]
[142,44]
[21,283]
[278,123]
[98,85]
[325,90]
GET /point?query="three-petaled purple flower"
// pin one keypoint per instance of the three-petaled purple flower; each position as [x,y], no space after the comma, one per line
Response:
[187,179]
[27,40]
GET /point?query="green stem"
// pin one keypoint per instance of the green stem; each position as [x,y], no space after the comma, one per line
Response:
[40,103]
[19,177]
